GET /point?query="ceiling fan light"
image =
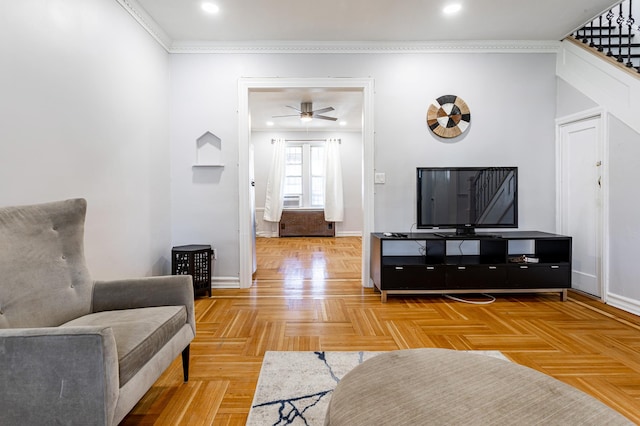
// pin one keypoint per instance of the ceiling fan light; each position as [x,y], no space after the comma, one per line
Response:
[305,118]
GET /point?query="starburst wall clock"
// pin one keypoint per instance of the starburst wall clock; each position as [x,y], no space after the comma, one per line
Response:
[448,116]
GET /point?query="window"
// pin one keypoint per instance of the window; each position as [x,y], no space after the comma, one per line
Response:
[304,175]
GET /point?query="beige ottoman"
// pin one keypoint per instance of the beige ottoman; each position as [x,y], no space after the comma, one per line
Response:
[446,387]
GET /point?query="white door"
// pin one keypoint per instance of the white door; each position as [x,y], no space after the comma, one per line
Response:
[580,200]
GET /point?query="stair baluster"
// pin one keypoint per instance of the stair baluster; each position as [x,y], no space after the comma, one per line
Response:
[630,22]
[620,21]
[609,17]
[601,29]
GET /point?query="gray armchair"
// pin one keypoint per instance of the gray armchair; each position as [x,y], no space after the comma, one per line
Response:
[75,351]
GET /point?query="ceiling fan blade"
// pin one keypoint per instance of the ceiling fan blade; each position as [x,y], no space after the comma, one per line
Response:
[290,115]
[292,107]
[324,117]
[322,111]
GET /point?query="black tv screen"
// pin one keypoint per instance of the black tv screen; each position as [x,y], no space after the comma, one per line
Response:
[466,198]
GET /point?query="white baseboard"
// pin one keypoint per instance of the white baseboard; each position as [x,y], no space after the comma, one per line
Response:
[338,234]
[349,234]
[225,282]
[267,234]
[624,303]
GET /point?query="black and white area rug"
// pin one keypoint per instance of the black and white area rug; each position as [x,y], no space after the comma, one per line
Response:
[294,388]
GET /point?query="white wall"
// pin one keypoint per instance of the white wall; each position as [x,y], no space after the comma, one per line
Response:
[608,85]
[624,227]
[511,97]
[351,157]
[205,200]
[571,101]
[587,81]
[84,113]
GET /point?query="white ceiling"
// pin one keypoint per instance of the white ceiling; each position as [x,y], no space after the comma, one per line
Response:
[370,20]
[347,104]
[181,25]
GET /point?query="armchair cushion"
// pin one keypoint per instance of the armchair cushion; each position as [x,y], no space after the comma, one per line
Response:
[139,333]
[42,264]
[144,292]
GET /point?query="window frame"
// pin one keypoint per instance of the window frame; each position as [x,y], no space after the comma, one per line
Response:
[307,173]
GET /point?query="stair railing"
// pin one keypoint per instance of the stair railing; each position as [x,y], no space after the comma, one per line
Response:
[485,186]
[614,31]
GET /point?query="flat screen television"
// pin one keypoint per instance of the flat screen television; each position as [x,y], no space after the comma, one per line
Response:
[466,198]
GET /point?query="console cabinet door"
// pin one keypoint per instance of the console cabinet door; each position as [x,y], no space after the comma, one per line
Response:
[476,277]
[539,276]
[412,277]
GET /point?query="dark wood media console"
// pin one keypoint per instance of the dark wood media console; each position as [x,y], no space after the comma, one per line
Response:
[428,263]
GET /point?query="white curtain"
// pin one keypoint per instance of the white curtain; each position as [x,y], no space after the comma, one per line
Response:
[275,184]
[333,193]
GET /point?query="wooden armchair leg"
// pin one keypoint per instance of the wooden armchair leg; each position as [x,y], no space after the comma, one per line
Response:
[185,363]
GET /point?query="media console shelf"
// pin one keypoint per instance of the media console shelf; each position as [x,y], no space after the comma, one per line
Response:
[427,263]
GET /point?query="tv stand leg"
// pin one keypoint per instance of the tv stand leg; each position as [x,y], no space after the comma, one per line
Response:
[563,295]
[383,296]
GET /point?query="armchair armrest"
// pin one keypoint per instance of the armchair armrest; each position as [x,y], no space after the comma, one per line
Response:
[66,375]
[169,290]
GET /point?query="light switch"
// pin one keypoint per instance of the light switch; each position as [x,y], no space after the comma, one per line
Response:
[379,178]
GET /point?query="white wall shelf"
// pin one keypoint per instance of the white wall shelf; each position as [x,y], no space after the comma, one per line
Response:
[208,151]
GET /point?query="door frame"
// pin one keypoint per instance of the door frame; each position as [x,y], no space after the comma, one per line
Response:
[603,151]
[245,86]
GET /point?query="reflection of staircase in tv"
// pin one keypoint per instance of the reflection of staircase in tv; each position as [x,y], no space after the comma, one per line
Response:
[493,199]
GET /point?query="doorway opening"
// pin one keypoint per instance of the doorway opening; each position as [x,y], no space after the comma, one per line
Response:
[246,220]
[320,265]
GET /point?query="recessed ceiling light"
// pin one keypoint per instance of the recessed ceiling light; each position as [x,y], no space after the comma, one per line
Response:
[210,7]
[270,123]
[343,123]
[452,8]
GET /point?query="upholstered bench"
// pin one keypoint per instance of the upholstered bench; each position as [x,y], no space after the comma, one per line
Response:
[446,387]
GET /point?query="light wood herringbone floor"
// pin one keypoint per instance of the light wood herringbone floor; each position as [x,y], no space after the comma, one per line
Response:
[307,296]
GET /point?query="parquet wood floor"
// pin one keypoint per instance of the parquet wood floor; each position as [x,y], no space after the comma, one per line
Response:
[307,296]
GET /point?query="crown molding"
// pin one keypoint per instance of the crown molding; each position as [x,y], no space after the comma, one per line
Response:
[147,22]
[462,46]
[259,47]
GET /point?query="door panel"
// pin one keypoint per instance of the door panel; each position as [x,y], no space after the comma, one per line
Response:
[581,201]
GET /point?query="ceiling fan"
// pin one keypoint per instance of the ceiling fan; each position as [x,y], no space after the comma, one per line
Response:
[306,112]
